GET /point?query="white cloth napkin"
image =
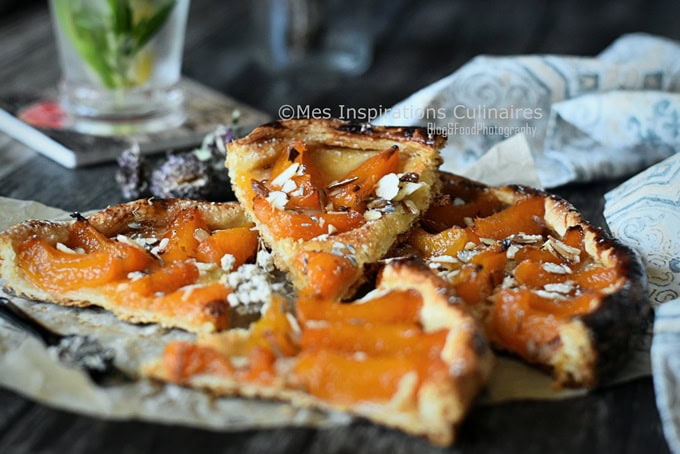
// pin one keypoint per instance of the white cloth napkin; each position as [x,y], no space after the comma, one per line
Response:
[644,212]
[584,118]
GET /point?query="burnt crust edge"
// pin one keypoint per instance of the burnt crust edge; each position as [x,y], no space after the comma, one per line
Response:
[620,319]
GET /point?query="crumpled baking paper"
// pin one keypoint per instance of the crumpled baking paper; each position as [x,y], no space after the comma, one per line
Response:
[584,118]
[644,212]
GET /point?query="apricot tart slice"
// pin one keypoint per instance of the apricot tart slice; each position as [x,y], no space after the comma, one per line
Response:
[548,286]
[317,188]
[152,260]
[407,355]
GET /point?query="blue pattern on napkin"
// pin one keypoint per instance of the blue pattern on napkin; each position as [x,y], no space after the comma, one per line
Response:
[635,83]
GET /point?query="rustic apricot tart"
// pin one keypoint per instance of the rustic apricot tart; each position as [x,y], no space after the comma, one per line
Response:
[329,197]
[407,355]
[548,286]
[151,260]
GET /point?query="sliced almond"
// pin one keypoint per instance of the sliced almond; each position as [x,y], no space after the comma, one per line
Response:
[286,175]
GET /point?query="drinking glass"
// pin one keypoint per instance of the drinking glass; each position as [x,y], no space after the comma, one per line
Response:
[121,63]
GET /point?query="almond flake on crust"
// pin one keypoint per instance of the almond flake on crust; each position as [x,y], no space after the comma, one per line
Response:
[523,238]
[160,248]
[411,206]
[127,240]
[444,259]
[555,268]
[337,184]
[560,287]
[278,199]
[512,251]
[63,248]
[286,175]
[466,255]
[509,282]
[372,215]
[406,189]
[201,235]
[562,251]
[289,186]
[388,186]
[549,295]
[135,275]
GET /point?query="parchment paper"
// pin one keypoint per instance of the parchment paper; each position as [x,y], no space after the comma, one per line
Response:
[27,367]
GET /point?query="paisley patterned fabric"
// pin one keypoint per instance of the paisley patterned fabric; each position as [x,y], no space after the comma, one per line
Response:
[666,370]
[644,212]
[584,118]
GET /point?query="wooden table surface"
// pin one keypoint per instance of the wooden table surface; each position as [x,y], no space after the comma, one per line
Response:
[416,43]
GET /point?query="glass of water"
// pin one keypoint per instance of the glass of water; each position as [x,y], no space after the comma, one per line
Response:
[121,63]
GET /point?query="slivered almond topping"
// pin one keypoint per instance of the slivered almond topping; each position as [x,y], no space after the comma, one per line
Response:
[163,244]
[134,225]
[134,275]
[549,295]
[411,206]
[299,192]
[470,246]
[555,268]
[458,202]
[523,238]
[203,267]
[286,175]
[406,189]
[295,326]
[468,221]
[388,186]
[289,186]
[451,274]
[161,247]
[444,259]
[372,215]
[339,184]
[508,282]
[278,199]
[488,241]
[332,229]
[130,241]
[201,235]
[562,250]
[466,255]
[560,287]
[63,248]
[512,251]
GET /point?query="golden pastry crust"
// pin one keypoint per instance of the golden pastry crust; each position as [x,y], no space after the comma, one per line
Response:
[590,345]
[337,148]
[147,216]
[439,404]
